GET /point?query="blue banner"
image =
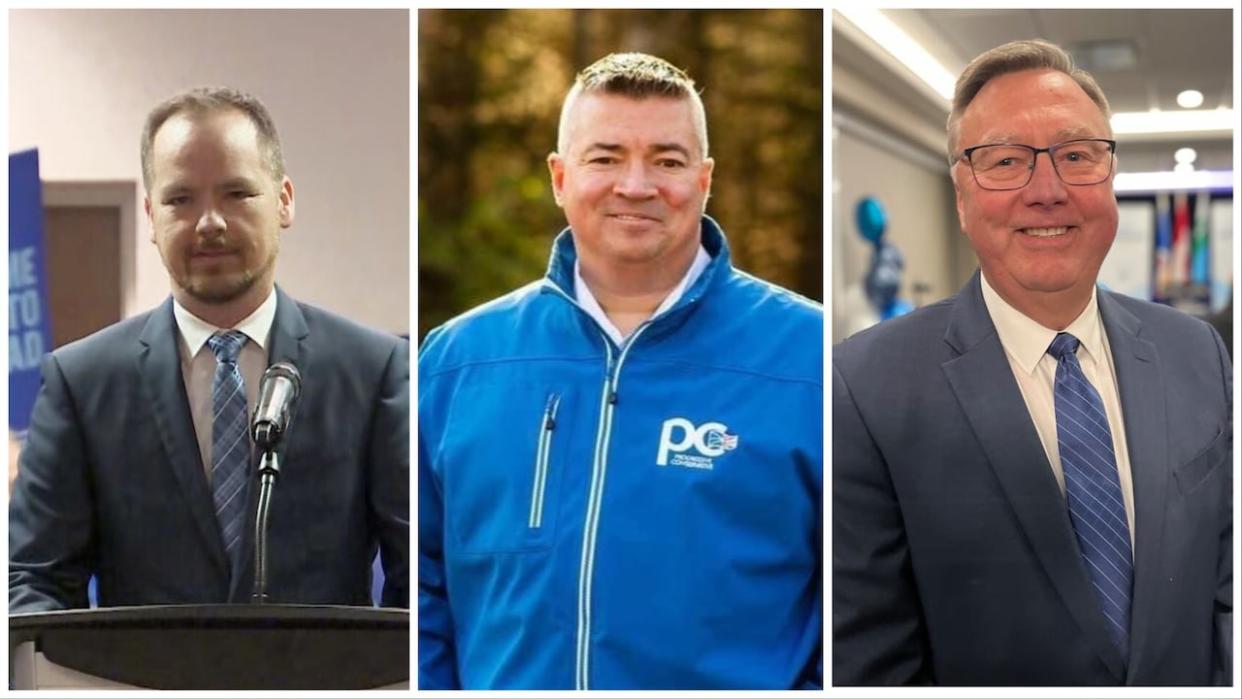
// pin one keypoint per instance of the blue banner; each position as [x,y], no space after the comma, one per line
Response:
[30,334]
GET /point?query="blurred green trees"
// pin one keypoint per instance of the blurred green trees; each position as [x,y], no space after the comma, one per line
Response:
[490,87]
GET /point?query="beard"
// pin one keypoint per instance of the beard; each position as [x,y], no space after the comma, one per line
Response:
[222,286]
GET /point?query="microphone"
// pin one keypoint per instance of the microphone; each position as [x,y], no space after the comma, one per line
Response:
[278,394]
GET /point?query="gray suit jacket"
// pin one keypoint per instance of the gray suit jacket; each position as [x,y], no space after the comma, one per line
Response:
[954,560]
[111,481]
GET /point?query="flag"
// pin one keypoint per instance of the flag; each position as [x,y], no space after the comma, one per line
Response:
[1164,246]
[1179,259]
[1199,274]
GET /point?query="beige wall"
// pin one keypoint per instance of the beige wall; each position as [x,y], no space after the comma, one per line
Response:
[915,191]
[336,82]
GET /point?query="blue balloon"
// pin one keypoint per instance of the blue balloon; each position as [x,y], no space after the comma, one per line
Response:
[871,219]
[898,307]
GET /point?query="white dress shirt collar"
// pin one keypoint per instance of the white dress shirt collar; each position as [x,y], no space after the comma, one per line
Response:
[589,304]
[195,331]
[1027,341]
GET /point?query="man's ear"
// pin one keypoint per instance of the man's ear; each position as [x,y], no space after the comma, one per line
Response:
[705,176]
[556,168]
[961,203]
[146,207]
[286,202]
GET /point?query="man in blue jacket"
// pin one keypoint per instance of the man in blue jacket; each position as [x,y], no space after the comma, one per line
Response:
[620,465]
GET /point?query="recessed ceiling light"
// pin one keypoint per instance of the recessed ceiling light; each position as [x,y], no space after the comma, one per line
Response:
[1184,167]
[1185,155]
[1189,99]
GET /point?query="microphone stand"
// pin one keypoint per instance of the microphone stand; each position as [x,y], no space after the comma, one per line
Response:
[269,469]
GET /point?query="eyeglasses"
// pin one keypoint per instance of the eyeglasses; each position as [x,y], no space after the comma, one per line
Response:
[1004,166]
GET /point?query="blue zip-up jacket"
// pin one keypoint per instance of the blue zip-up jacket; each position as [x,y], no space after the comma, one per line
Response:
[643,516]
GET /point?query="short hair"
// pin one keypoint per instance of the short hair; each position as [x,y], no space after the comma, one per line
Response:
[1015,56]
[636,75]
[205,100]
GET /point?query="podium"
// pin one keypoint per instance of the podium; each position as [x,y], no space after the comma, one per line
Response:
[211,647]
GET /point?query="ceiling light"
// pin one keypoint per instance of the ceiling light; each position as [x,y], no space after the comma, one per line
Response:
[1185,155]
[1173,122]
[1184,167]
[909,52]
[1189,99]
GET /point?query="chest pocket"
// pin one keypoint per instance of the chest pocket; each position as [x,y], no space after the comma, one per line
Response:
[504,461]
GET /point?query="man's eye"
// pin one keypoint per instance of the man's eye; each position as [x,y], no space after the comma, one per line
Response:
[602,160]
[179,200]
[240,194]
[671,163]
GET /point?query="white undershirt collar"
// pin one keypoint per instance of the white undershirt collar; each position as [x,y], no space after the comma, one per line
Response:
[1027,341]
[587,301]
[194,330]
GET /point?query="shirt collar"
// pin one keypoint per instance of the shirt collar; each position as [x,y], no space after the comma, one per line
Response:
[256,326]
[1027,341]
[589,303]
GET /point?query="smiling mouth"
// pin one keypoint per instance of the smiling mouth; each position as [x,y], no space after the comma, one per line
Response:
[1045,232]
[631,217]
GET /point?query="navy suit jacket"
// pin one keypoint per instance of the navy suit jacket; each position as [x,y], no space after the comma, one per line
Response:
[111,481]
[954,560]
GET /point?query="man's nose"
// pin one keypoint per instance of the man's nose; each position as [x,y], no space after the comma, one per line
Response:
[1045,187]
[210,221]
[635,182]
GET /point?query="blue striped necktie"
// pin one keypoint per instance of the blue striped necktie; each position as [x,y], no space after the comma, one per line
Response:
[230,446]
[1092,489]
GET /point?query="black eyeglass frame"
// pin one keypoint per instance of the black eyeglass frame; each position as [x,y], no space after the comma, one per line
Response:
[1112,153]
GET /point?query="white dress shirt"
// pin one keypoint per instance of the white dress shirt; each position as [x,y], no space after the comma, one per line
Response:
[589,304]
[1026,347]
[198,364]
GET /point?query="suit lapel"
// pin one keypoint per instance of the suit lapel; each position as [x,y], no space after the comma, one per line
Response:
[159,373]
[1141,385]
[286,344]
[983,382]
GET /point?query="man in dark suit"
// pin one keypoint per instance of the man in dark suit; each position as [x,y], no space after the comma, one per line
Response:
[1032,479]
[139,468]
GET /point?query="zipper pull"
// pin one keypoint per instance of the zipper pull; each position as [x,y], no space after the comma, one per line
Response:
[549,412]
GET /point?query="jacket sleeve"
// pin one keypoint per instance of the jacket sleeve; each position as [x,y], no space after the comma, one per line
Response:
[879,635]
[389,484]
[437,651]
[51,512]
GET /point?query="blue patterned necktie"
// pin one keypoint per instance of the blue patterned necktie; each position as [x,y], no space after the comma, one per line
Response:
[1092,489]
[230,446]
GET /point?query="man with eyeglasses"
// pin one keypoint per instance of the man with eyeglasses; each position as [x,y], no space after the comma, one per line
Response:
[1032,479]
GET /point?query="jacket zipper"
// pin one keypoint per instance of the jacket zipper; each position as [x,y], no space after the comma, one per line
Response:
[599,470]
[542,455]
